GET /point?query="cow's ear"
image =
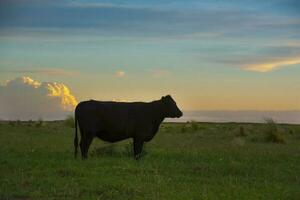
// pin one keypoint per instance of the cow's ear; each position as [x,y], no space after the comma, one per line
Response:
[164,99]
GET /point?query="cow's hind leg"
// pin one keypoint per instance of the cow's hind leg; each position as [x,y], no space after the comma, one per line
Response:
[88,141]
[82,142]
[137,147]
[82,147]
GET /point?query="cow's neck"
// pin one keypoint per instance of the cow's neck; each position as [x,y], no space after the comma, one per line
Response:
[159,112]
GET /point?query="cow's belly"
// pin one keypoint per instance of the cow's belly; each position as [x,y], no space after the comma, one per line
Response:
[112,136]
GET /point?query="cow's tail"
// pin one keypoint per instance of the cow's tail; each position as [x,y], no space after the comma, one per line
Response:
[76,137]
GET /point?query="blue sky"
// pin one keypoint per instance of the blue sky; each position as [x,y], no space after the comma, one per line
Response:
[216,55]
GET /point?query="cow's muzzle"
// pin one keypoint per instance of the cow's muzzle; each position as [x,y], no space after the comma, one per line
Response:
[179,114]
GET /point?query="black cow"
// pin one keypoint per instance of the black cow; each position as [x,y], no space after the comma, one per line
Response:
[116,121]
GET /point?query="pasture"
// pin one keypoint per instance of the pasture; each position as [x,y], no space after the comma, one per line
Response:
[183,161]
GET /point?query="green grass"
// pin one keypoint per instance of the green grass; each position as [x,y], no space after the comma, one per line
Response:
[212,161]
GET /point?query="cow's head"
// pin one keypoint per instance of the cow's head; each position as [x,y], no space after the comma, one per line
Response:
[171,109]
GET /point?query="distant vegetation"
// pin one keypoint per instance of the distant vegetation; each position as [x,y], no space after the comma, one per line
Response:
[69,121]
[190,126]
[40,123]
[184,161]
[15,123]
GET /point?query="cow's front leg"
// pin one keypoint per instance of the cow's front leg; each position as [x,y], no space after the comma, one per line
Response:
[137,147]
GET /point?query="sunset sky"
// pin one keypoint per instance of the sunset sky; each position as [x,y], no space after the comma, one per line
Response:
[209,55]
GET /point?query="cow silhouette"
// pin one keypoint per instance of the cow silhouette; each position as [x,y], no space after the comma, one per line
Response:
[115,121]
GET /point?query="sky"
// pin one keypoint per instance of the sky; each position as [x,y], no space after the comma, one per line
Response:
[209,55]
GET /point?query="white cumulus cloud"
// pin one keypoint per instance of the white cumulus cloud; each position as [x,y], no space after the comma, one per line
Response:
[120,73]
[24,98]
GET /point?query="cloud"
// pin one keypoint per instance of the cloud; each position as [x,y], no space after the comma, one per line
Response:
[269,66]
[144,19]
[160,73]
[120,73]
[265,59]
[92,5]
[24,98]
[49,72]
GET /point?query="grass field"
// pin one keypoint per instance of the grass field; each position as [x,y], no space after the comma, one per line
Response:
[183,161]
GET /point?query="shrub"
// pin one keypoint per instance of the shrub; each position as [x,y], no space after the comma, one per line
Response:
[241,132]
[194,125]
[70,121]
[183,128]
[272,133]
[12,123]
[15,123]
[40,123]
[30,122]
[291,131]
